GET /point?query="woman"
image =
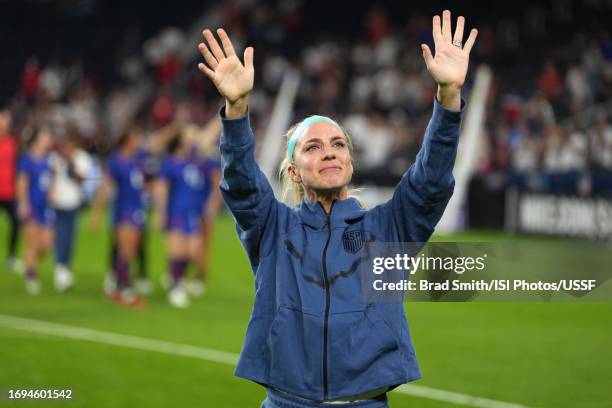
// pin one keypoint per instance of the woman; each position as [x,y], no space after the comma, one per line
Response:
[37,217]
[209,141]
[184,194]
[311,338]
[126,175]
[9,153]
[72,165]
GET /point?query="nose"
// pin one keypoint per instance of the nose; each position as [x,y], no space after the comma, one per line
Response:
[328,153]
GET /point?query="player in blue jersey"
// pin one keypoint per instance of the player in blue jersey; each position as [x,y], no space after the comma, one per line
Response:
[125,175]
[33,182]
[186,195]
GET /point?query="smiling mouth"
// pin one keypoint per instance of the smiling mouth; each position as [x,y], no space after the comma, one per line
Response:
[331,168]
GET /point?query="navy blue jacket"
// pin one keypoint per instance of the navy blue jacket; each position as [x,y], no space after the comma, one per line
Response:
[310,332]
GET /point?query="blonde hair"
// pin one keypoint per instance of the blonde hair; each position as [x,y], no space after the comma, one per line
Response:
[292,192]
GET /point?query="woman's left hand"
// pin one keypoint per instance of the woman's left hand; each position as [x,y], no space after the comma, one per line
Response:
[449,67]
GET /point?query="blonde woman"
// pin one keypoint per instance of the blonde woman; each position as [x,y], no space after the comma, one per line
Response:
[312,339]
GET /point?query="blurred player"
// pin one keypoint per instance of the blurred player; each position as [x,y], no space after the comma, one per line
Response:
[187,195]
[208,141]
[71,166]
[126,176]
[33,182]
[142,283]
[8,167]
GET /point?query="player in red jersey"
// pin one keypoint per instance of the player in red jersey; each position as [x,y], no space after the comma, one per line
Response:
[8,171]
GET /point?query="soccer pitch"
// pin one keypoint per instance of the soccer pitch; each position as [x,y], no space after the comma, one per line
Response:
[471,354]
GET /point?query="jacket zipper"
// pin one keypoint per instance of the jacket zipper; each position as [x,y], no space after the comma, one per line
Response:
[327,301]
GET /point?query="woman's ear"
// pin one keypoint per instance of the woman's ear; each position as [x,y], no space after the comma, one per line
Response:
[293,173]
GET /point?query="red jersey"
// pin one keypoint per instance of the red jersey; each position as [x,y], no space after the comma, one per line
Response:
[8,166]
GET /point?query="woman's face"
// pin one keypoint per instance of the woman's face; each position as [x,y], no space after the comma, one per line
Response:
[44,140]
[135,139]
[5,122]
[187,138]
[321,159]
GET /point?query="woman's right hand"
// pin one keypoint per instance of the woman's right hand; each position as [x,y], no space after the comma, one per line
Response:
[232,79]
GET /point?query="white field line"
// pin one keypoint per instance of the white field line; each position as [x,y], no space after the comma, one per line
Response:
[115,339]
[454,397]
[202,353]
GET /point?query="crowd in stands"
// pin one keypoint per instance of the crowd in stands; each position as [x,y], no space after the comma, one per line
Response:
[548,117]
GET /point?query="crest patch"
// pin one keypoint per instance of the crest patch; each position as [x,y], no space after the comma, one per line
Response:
[353,241]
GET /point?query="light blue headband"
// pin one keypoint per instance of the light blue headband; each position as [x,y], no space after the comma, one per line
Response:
[302,128]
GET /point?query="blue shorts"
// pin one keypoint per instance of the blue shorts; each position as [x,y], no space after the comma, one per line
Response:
[187,224]
[135,218]
[42,215]
[280,399]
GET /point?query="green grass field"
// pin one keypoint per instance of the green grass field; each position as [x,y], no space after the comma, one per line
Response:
[533,354]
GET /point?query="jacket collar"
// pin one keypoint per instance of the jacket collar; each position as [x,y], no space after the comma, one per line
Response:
[343,212]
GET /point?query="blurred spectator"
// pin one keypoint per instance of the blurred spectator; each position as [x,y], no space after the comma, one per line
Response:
[53,81]
[30,78]
[377,25]
[540,109]
[565,150]
[549,81]
[578,86]
[371,137]
[526,156]
[539,113]
[601,143]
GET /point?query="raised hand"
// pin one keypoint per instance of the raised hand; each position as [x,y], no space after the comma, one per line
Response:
[449,66]
[232,79]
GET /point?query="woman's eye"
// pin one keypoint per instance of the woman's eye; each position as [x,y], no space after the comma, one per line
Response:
[339,144]
[311,148]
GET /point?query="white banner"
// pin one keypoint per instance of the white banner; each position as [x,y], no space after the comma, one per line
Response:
[587,217]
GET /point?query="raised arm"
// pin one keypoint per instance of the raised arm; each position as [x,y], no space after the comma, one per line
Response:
[214,203]
[160,202]
[161,137]
[100,202]
[23,204]
[421,196]
[207,135]
[244,187]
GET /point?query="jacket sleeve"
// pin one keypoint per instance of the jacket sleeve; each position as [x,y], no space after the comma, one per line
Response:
[244,187]
[422,194]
